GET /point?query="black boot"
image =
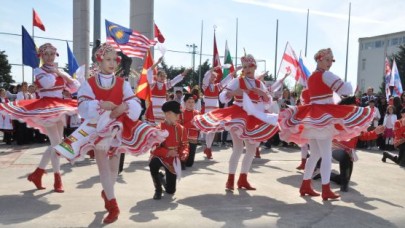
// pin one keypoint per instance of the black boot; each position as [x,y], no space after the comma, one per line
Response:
[389,156]
[158,186]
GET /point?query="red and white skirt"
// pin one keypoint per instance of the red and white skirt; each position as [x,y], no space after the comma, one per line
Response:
[235,119]
[134,137]
[322,121]
[40,113]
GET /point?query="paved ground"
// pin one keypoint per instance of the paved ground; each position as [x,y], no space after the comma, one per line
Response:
[376,196]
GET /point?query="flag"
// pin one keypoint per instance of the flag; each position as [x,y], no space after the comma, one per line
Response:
[72,62]
[227,60]
[216,61]
[289,62]
[130,42]
[29,52]
[187,88]
[387,77]
[36,21]
[304,67]
[143,90]
[396,80]
[158,34]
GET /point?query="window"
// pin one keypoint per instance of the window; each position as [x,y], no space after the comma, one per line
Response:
[379,44]
[363,64]
[369,45]
[394,41]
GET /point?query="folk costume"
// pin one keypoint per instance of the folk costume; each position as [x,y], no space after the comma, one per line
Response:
[159,90]
[245,128]
[211,96]
[399,142]
[48,113]
[177,141]
[186,120]
[6,126]
[321,121]
[107,136]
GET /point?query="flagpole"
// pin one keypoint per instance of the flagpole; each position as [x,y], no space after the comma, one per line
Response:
[281,60]
[347,46]
[236,49]
[275,55]
[201,43]
[306,36]
[33,39]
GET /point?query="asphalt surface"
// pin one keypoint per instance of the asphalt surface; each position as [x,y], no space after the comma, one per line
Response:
[376,196]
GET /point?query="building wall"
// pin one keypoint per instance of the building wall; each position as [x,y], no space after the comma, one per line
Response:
[371,62]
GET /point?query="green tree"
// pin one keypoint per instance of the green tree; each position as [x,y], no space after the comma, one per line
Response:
[5,70]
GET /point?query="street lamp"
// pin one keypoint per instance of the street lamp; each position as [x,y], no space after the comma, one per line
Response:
[193,52]
[262,60]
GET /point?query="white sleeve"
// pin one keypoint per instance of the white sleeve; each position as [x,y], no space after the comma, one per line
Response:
[233,85]
[88,106]
[149,76]
[174,81]
[226,80]
[46,80]
[73,86]
[276,86]
[385,121]
[20,96]
[266,104]
[134,106]
[206,80]
[337,84]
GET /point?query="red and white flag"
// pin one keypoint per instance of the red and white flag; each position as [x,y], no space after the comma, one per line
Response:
[290,62]
[36,21]
[216,61]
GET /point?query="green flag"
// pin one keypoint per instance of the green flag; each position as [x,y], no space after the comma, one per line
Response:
[227,62]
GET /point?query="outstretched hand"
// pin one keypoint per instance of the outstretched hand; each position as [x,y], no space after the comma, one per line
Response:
[185,72]
[379,130]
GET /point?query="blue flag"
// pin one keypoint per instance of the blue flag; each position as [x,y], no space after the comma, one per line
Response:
[72,62]
[29,50]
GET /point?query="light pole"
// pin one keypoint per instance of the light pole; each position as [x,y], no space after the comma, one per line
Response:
[193,52]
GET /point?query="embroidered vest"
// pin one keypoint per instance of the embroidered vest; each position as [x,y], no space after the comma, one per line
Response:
[253,96]
[114,94]
[317,89]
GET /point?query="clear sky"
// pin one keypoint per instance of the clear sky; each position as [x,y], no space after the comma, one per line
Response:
[180,22]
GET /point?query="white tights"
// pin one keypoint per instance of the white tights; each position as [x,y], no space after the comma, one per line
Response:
[55,135]
[237,150]
[209,138]
[107,168]
[320,148]
[304,151]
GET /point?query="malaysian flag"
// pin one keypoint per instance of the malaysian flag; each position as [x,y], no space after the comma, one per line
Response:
[130,42]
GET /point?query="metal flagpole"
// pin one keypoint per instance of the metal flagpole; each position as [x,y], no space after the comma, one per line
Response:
[347,47]
[275,55]
[236,49]
[199,74]
[306,36]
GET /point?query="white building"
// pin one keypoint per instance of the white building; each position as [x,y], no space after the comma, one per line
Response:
[371,63]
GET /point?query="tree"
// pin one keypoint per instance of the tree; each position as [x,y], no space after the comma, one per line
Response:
[5,70]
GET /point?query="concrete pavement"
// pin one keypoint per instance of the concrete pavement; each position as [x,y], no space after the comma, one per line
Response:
[376,195]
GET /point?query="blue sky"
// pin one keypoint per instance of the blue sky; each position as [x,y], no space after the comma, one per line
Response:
[180,22]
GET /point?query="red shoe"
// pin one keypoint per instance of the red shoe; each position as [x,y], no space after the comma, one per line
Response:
[243,183]
[302,165]
[91,154]
[306,189]
[113,212]
[230,182]
[36,178]
[208,152]
[106,203]
[58,187]
[327,192]
[257,153]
